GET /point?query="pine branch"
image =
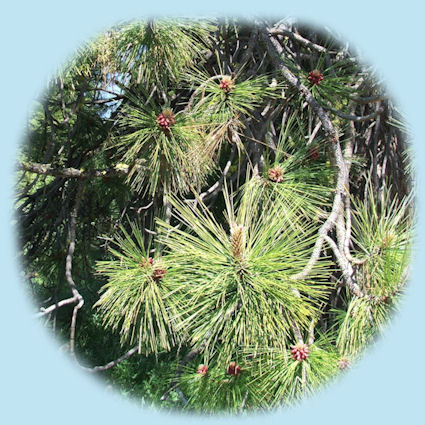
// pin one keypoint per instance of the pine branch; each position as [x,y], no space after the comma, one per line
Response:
[275,51]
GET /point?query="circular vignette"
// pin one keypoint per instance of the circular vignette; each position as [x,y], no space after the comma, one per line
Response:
[215,207]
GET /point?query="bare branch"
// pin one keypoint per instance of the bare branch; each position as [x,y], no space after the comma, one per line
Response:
[282,30]
[68,266]
[112,363]
[369,99]
[346,268]
[47,310]
[314,133]
[49,170]
[216,187]
[355,118]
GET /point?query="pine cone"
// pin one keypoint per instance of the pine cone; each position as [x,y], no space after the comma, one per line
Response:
[343,363]
[276,174]
[237,240]
[166,119]
[233,369]
[227,84]
[146,262]
[159,274]
[202,369]
[300,351]
[315,77]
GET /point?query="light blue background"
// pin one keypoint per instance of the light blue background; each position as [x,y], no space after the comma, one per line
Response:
[39,385]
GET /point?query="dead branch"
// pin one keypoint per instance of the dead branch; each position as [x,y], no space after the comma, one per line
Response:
[68,267]
[49,170]
[112,363]
[282,30]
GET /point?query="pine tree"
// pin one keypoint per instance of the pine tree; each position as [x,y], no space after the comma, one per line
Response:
[223,207]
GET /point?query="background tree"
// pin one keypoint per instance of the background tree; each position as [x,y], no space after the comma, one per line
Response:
[231,201]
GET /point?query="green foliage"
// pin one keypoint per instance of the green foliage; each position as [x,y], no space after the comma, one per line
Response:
[145,379]
[135,299]
[338,82]
[224,110]
[358,325]
[382,234]
[217,389]
[382,231]
[283,380]
[149,49]
[241,97]
[240,291]
[164,160]
[306,175]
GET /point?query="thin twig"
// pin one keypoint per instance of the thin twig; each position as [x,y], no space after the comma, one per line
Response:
[47,310]
[49,170]
[352,117]
[112,363]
